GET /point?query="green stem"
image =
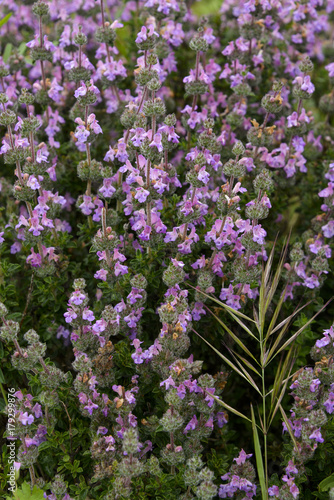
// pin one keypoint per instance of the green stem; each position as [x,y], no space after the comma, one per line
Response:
[32,475]
[4,395]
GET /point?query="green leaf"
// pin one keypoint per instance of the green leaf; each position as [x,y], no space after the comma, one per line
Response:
[327,483]
[44,446]
[22,48]
[7,52]
[25,493]
[258,457]
[5,19]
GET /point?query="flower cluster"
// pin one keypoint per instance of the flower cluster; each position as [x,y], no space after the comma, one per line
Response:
[149,158]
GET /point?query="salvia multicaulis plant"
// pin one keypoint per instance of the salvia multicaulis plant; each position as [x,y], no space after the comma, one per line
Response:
[153,160]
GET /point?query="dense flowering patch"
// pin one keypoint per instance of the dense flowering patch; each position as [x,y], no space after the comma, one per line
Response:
[149,158]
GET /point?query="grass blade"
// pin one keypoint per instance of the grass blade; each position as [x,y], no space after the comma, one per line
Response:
[289,318]
[283,384]
[258,457]
[250,379]
[295,335]
[285,380]
[232,365]
[273,287]
[287,423]
[267,292]
[5,19]
[233,335]
[222,304]
[244,360]
[245,327]
[275,315]
[230,408]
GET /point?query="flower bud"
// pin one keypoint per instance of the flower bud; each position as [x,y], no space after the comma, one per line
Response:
[306,66]
[238,148]
[40,8]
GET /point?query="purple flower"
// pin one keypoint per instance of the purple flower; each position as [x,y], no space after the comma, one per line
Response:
[110,441]
[203,175]
[82,397]
[145,33]
[33,182]
[37,410]
[314,384]
[197,311]
[88,315]
[157,142]
[169,382]
[208,398]
[229,49]
[77,298]
[82,91]
[102,430]
[259,234]
[62,332]
[291,468]
[90,407]
[101,274]
[141,194]
[25,419]
[330,69]
[192,424]
[273,491]
[317,436]
[242,457]
[329,403]
[327,339]
[107,190]
[305,83]
[99,326]
[134,295]
[87,205]
[181,391]
[120,269]
[221,419]
[70,316]
[328,229]
[82,134]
